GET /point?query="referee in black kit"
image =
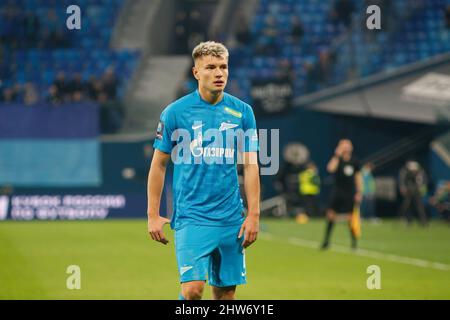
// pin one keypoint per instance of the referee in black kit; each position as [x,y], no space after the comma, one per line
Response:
[346,190]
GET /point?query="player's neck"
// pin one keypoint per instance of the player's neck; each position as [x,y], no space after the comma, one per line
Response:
[210,97]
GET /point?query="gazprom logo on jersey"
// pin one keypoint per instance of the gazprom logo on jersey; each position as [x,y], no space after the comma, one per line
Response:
[197,150]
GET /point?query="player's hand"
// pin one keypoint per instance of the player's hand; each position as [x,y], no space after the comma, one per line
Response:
[250,229]
[155,229]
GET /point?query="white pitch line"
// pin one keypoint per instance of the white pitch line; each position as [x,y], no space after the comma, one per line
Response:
[365,253]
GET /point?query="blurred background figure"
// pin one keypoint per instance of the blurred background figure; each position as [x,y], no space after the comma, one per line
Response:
[287,185]
[309,180]
[266,45]
[297,30]
[447,16]
[441,200]
[368,209]
[287,180]
[413,184]
[53,96]
[342,12]
[30,94]
[110,83]
[346,192]
[76,88]
[62,86]
[242,33]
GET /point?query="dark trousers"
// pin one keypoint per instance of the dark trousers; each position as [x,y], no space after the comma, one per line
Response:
[412,201]
[368,207]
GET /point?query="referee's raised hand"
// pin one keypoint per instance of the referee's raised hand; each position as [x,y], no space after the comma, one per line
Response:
[155,228]
[339,148]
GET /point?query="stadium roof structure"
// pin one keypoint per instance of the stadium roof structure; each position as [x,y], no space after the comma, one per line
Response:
[415,93]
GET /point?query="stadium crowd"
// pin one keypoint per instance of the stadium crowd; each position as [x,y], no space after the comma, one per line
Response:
[102,89]
[64,89]
[23,29]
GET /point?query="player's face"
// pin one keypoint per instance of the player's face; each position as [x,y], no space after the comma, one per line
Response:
[211,73]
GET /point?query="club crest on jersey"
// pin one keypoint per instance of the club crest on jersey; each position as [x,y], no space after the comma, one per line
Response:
[348,170]
[226,125]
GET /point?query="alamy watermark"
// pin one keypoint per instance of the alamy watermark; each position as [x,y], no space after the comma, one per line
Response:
[225,146]
[73,281]
[374,20]
[74,20]
[374,280]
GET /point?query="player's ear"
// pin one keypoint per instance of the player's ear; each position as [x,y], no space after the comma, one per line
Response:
[195,72]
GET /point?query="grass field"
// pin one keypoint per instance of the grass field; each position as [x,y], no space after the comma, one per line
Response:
[118,260]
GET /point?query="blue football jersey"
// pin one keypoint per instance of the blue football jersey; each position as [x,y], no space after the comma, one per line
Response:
[204,141]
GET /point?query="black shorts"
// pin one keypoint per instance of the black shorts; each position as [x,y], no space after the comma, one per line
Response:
[342,201]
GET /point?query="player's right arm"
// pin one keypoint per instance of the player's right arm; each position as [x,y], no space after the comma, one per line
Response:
[334,161]
[155,186]
[163,147]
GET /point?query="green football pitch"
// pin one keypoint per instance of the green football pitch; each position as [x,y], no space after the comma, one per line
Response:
[118,260]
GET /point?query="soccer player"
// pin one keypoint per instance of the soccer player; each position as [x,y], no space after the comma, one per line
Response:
[211,230]
[346,190]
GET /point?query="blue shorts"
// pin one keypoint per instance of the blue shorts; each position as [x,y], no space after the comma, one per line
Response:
[213,253]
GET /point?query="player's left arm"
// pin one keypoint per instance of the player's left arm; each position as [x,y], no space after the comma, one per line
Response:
[250,227]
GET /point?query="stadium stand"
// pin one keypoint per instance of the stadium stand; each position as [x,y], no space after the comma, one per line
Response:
[35,48]
[329,53]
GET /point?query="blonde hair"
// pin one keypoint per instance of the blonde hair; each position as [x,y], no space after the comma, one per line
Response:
[210,48]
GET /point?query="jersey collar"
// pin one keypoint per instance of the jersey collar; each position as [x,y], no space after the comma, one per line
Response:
[206,102]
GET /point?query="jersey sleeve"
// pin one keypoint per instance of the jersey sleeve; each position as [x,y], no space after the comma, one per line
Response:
[251,133]
[166,125]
